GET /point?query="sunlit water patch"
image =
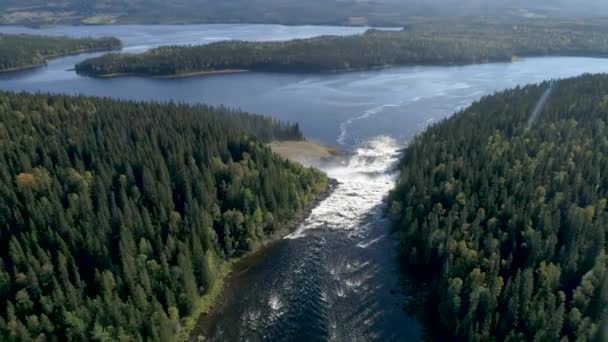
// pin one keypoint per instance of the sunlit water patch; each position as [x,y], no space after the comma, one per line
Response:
[364,181]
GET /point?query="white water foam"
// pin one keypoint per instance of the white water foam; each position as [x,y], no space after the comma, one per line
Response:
[251,319]
[365,244]
[277,307]
[275,302]
[364,182]
[369,113]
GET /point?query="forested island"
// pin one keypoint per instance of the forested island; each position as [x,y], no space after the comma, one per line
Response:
[503,211]
[439,43]
[117,217]
[20,51]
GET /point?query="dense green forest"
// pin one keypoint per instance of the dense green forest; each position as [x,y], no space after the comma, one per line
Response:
[440,43]
[506,216]
[23,50]
[115,216]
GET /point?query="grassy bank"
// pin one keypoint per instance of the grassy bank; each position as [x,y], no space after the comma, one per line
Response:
[305,152]
[206,303]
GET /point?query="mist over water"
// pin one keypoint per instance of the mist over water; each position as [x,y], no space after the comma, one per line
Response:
[364,181]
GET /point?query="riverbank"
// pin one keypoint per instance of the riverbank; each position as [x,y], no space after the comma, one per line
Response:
[296,71]
[195,327]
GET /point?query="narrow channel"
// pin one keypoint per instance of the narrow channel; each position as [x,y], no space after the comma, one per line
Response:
[335,278]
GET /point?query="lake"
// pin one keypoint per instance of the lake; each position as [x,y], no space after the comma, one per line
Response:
[336,276]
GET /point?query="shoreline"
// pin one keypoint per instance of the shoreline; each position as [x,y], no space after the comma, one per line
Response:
[174,76]
[23,68]
[508,60]
[194,326]
[513,59]
[203,73]
[55,56]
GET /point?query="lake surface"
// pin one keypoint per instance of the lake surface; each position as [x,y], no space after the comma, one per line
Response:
[335,277]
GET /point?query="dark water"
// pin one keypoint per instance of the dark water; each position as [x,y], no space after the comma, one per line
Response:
[335,278]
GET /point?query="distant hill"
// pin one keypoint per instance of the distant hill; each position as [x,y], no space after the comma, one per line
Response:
[375,12]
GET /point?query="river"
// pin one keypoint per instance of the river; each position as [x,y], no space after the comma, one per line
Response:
[335,277]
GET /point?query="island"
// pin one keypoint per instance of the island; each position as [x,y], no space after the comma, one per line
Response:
[23,51]
[120,219]
[502,213]
[437,43]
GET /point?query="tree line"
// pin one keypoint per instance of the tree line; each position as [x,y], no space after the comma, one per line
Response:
[24,50]
[116,216]
[437,43]
[506,217]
